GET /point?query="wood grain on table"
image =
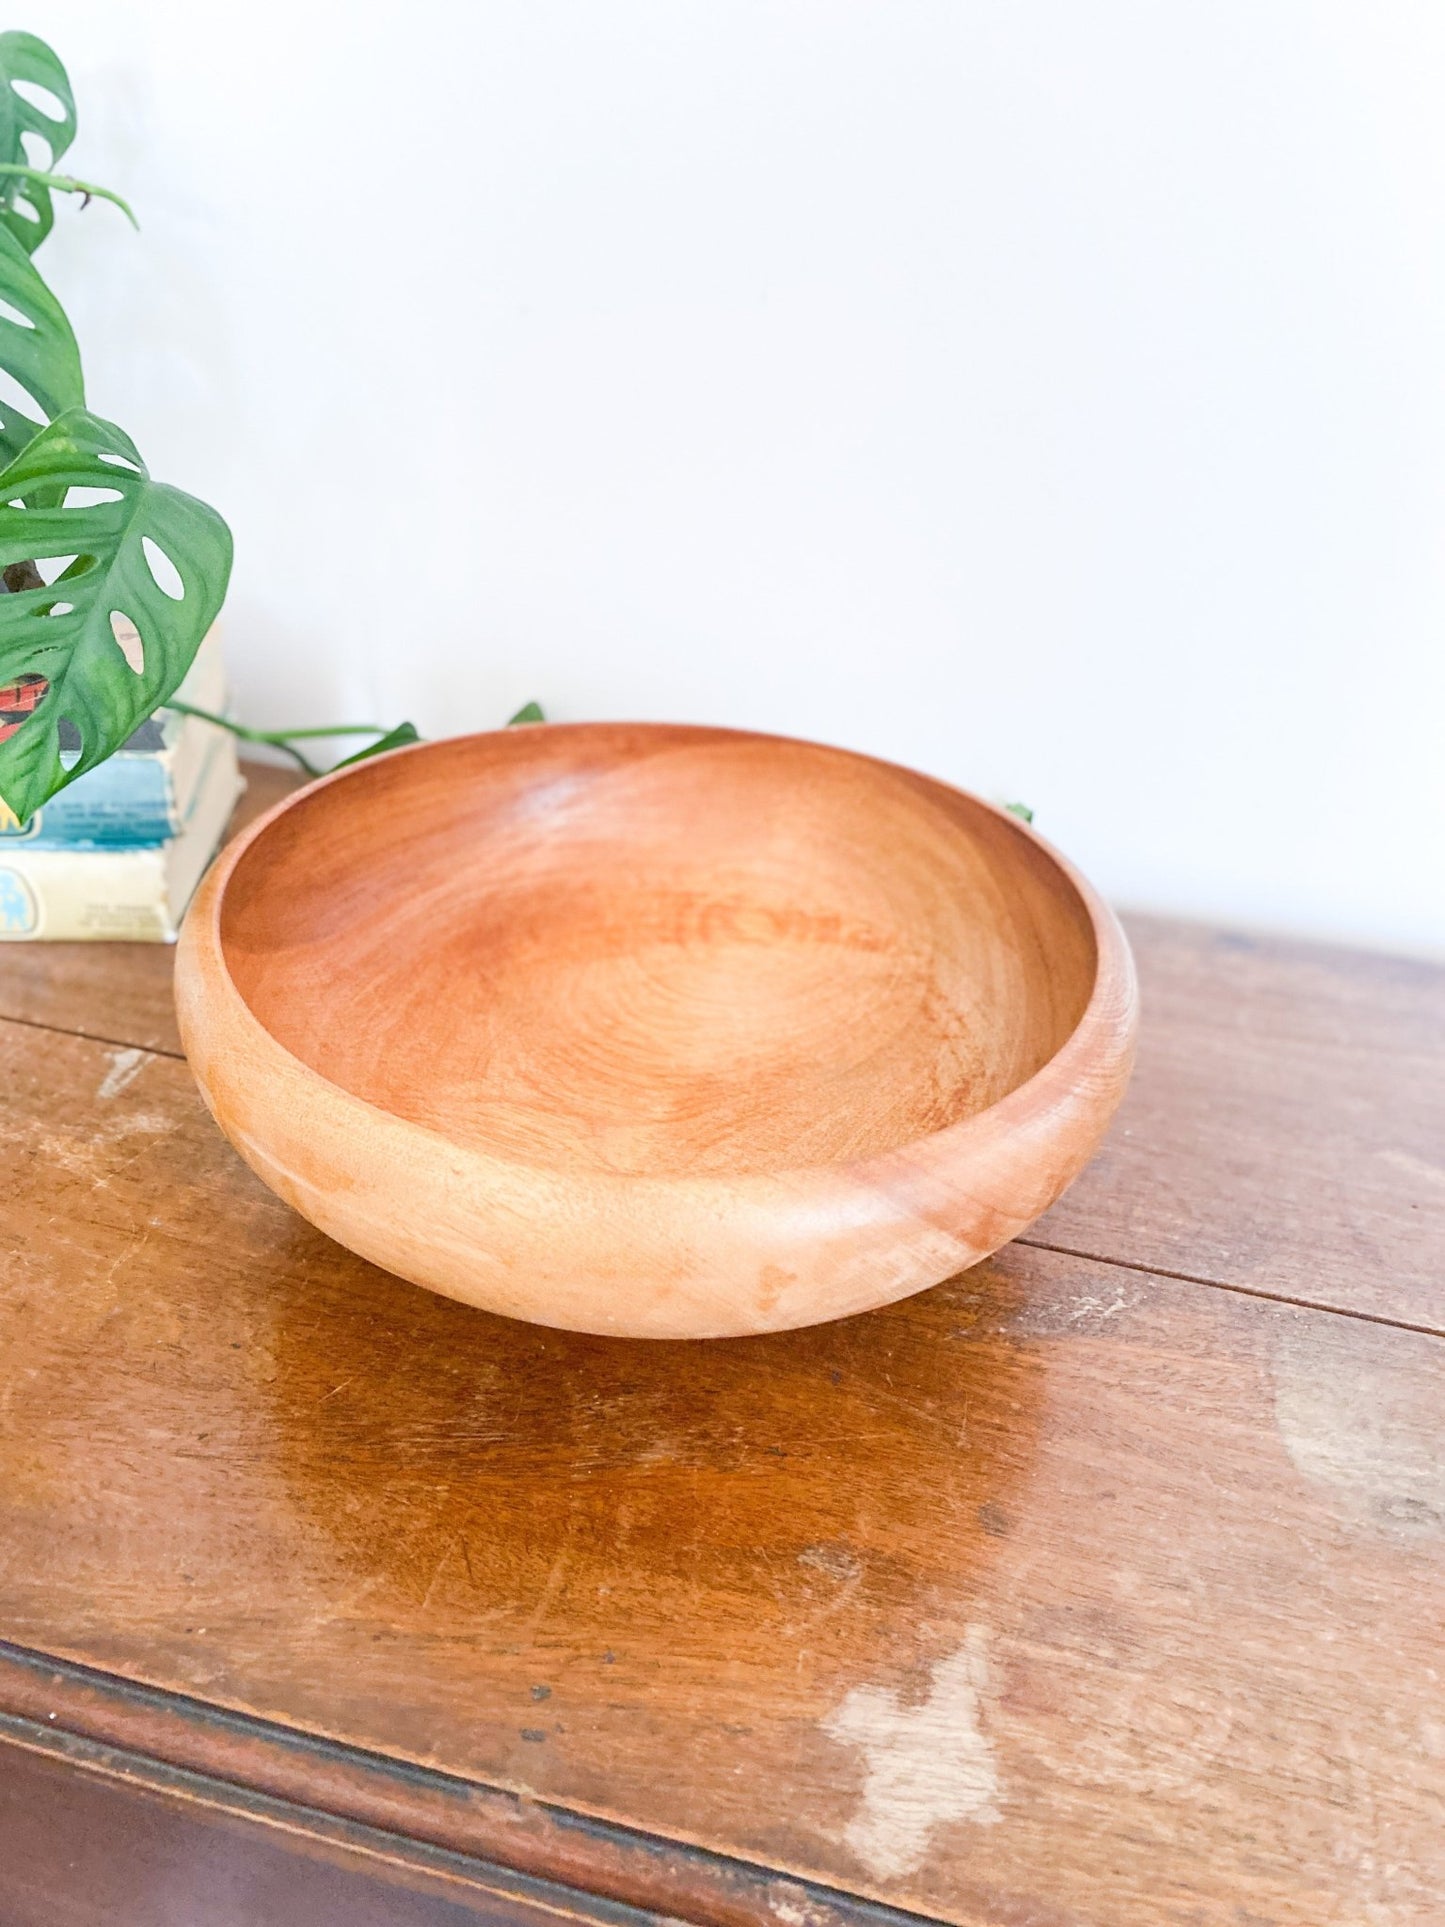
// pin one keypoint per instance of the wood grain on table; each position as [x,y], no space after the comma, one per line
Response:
[1285,1131]
[1070,1592]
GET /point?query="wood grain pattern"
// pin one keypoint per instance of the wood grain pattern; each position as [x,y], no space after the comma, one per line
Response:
[1061,1593]
[651,1030]
[1285,1128]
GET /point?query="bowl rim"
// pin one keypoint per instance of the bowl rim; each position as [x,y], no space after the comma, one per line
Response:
[1108,1022]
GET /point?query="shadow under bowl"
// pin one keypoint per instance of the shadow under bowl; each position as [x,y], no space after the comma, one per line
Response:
[652,1030]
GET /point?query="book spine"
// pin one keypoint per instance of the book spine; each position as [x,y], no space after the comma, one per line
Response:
[138,796]
[85,895]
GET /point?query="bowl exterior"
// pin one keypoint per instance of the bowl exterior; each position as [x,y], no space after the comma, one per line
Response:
[641,1257]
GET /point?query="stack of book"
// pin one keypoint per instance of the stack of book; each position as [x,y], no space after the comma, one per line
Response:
[119,852]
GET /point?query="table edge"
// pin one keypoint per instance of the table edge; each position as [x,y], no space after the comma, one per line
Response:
[158,1734]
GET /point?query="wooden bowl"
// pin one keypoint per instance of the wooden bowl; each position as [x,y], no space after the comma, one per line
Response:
[650,1030]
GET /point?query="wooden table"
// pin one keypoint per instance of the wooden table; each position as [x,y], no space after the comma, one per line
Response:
[1103,1585]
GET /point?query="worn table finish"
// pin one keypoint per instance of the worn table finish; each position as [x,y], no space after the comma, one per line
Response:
[1103,1584]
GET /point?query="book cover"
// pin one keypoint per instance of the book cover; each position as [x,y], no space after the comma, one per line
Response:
[144,792]
[134,893]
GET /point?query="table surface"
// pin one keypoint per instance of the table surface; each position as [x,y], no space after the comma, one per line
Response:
[1103,1584]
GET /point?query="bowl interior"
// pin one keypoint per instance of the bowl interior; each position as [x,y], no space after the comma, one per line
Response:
[658,950]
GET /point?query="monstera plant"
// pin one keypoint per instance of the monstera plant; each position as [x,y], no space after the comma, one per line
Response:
[110,579]
[113,578]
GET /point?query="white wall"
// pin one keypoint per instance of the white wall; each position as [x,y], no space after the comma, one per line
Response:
[1048,395]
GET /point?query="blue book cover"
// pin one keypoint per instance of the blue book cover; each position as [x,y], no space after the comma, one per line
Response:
[142,794]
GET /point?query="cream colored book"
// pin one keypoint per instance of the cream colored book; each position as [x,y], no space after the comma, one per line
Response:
[135,893]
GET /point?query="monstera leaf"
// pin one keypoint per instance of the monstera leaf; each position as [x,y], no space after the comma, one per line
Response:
[30,61]
[37,349]
[115,632]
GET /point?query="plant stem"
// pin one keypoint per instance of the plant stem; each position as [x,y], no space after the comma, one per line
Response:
[282,739]
[68,184]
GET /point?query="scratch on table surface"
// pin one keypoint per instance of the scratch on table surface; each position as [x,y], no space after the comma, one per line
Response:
[467,1562]
[68,1153]
[834,1558]
[926,1765]
[1096,1309]
[134,1244]
[437,1571]
[136,1124]
[553,1583]
[125,1067]
[843,1567]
